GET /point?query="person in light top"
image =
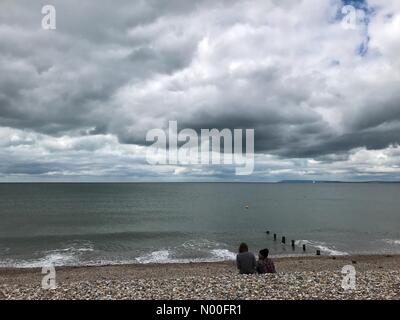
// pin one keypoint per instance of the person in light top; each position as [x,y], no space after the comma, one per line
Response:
[245,260]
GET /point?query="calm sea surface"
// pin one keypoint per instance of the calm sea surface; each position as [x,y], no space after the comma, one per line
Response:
[75,224]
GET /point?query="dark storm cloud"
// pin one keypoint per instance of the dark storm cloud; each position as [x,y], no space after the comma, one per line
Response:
[372,140]
[59,81]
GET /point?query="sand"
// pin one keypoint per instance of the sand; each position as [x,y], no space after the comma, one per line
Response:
[377,277]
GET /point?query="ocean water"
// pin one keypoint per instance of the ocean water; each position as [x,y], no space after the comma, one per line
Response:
[91,224]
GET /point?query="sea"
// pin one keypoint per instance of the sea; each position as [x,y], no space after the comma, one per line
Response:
[71,224]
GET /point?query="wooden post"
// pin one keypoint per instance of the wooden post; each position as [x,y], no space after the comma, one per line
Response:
[318,252]
[293,244]
[283,239]
[274,236]
[304,247]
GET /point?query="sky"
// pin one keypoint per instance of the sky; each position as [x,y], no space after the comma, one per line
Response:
[76,102]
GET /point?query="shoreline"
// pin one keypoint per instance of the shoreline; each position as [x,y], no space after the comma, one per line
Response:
[276,258]
[134,262]
[308,277]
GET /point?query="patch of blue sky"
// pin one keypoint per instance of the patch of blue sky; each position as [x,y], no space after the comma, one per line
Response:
[364,15]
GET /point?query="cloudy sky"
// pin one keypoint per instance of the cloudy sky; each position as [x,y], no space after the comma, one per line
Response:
[76,102]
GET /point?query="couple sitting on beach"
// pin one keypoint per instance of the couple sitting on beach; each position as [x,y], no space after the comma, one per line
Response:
[247,264]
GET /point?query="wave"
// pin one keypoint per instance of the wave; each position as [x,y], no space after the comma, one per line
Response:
[79,253]
[323,246]
[166,256]
[392,241]
[69,256]
[160,256]
[223,254]
[195,250]
[56,259]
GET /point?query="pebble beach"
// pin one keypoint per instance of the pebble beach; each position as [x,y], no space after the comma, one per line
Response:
[377,277]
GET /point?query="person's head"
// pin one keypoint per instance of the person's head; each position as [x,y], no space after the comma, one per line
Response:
[243,247]
[263,254]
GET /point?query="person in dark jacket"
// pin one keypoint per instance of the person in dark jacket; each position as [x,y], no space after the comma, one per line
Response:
[245,260]
[264,264]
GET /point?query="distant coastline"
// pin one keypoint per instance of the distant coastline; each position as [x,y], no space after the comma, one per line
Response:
[335,181]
